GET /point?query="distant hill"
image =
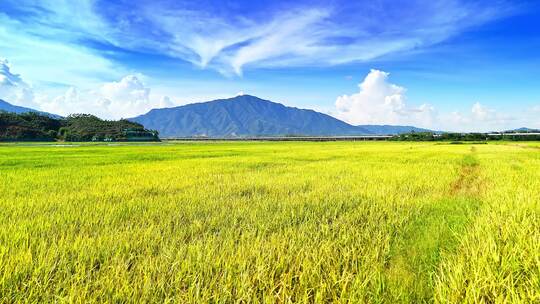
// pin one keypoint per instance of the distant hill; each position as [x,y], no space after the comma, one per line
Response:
[394,130]
[523,130]
[251,116]
[33,126]
[7,107]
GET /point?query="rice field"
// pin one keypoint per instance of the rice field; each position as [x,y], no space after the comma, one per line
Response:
[270,222]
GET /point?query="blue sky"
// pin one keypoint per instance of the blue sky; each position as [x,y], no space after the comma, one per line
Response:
[445,64]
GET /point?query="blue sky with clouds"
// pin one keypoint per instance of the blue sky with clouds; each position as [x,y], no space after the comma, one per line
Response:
[446,64]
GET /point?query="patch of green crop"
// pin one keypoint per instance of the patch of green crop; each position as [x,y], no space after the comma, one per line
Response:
[270,222]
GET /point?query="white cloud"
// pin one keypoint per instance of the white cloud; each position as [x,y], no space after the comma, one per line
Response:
[492,118]
[13,88]
[53,58]
[224,38]
[68,103]
[381,102]
[323,35]
[298,35]
[295,34]
[165,102]
[130,90]
[70,96]
[481,118]
[126,98]
[75,101]
[482,113]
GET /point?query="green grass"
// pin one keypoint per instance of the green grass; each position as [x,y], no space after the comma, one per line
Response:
[359,222]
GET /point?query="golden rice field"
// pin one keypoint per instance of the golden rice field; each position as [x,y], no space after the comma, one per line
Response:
[274,222]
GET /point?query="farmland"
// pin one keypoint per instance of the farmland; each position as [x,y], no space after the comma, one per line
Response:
[270,222]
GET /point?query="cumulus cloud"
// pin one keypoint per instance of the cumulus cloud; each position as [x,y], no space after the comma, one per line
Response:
[482,113]
[72,101]
[381,102]
[129,90]
[484,118]
[165,102]
[71,96]
[118,99]
[125,98]
[75,101]
[13,88]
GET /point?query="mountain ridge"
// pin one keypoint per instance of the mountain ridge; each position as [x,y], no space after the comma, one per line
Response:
[8,107]
[247,115]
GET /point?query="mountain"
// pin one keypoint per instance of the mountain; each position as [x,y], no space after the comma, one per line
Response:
[523,130]
[247,115]
[7,107]
[393,130]
[32,126]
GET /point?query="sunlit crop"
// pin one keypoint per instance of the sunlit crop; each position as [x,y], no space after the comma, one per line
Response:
[271,222]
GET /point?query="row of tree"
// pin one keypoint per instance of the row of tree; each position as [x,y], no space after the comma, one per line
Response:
[458,137]
[78,127]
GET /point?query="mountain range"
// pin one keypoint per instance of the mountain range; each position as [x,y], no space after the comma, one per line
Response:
[243,116]
[247,115]
[524,130]
[7,107]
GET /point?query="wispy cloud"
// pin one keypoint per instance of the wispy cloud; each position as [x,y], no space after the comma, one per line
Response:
[45,46]
[313,35]
[82,43]
[300,34]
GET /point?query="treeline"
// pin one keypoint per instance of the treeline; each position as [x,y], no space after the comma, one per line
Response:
[458,137]
[78,127]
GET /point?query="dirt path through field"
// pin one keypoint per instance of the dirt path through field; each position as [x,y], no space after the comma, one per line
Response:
[469,182]
[432,233]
